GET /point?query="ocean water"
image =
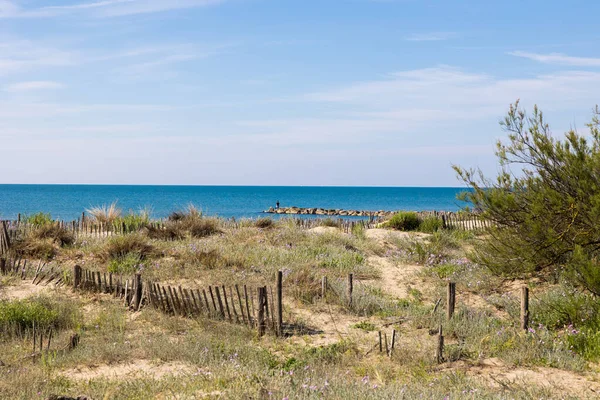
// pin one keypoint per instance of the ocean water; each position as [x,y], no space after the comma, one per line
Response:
[68,201]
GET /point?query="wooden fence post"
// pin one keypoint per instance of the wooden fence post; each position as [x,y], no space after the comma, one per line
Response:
[76,276]
[261,311]
[280,303]
[350,278]
[323,286]
[439,353]
[138,292]
[524,307]
[451,299]
[393,342]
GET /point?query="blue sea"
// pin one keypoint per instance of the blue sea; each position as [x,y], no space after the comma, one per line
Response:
[67,202]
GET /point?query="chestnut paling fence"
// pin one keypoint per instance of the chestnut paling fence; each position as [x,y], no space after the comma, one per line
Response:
[257,307]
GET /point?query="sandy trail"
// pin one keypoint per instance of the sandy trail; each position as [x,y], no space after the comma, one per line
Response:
[24,290]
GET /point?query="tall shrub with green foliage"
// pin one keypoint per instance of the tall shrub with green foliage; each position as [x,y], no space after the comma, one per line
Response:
[545,202]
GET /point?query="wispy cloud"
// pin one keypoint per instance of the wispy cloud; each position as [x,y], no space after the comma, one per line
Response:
[33,85]
[559,59]
[101,8]
[430,36]
[21,55]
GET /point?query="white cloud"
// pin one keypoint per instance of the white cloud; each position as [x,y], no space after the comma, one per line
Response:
[559,59]
[430,36]
[21,55]
[102,8]
[33,85]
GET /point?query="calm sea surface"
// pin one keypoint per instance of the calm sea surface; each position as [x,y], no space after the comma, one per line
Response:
[68,201]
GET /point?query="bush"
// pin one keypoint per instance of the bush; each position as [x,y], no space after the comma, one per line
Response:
[404,221]
[130,245]
[545,210]
[56,233]
[41,311]
[127,264]
[38,219]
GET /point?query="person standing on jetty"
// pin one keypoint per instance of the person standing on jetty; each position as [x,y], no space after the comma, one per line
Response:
[277,205]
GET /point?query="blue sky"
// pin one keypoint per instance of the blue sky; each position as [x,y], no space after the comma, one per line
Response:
[265,92]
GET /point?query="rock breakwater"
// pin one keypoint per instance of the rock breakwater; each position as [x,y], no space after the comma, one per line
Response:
[325,211]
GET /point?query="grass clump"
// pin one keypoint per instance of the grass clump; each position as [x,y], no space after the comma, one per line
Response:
[264,223]
[133,221]
[105,214]
[43,241]
[330,222]
[130,245]
[431,224]
[404,221]
[42,312]
[188,223]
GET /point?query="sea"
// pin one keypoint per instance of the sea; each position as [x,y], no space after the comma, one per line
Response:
[67,202]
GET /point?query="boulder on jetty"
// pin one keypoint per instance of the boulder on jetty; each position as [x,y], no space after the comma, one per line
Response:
[323,211]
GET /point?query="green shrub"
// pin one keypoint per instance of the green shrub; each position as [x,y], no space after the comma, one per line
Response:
[430,224]
[404,221]
[133,221]
[127,264]
[38,219]
[41,311]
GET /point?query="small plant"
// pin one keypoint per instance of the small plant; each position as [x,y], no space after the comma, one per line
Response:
[365,326]
[127,264]
[120,247]
[133,221]
[42,312]
[38,219]
[264,223]
[430,224]
[330,222]
[105,214]
[404,221]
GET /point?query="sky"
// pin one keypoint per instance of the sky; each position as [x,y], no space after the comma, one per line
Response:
[282,92]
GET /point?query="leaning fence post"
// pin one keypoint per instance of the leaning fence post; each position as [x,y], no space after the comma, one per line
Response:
[350,276]
[280,303]
[439,353]
[451,299]
[524,307]
[261,311]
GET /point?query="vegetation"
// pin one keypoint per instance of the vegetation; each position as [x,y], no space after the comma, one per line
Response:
[404,221]
[38,219]
[333,352]
[41,312]
[105,214]
[545,203]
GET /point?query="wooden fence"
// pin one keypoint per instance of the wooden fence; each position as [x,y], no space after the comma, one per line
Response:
[257,307]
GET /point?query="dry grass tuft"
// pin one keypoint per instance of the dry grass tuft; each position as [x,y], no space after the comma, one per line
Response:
[105,214]
[119,247]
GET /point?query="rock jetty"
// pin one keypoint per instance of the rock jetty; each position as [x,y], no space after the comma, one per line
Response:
[324,211]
